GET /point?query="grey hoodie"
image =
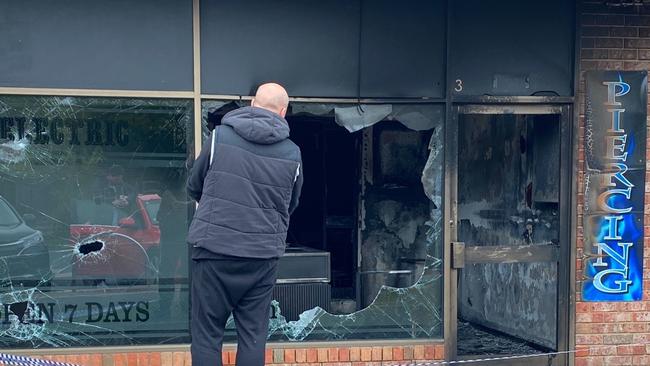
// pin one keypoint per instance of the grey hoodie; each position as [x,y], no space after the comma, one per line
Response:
[248,193]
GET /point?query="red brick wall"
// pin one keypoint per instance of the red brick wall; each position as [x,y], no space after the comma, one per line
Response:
[612,333]
[342,356]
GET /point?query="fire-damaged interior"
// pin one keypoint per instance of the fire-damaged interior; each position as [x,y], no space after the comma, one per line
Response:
[362,232]
[508,306]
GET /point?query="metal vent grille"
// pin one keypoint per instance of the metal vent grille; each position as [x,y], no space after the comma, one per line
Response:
[297,297]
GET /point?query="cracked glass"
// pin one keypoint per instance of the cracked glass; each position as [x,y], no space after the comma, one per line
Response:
[369,223]
[93,221]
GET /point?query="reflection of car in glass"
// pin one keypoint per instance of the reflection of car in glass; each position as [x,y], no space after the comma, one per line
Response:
[24,258]
[124,253]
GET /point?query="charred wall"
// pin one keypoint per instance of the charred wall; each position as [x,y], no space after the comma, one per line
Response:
[393,236]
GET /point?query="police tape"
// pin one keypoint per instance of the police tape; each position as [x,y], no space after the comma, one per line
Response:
[515,357]
[13,360]
[488,359]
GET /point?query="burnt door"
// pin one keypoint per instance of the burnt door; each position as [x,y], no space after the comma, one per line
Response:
[509,248]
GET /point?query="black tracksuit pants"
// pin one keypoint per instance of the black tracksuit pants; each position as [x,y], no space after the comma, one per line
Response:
[223,285]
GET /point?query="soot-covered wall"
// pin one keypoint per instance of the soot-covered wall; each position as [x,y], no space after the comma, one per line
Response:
[333,48]
[512,47]
[385,48]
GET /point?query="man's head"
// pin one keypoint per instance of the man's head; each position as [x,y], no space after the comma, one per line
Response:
[272,97]
[115,174]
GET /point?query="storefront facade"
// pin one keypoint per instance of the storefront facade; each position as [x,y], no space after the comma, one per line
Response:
[445,177]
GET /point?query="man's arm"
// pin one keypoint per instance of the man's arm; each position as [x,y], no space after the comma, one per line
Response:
[199,171]
[131,194]
[297,189]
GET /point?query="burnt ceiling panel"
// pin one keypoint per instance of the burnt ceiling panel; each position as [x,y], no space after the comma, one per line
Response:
[309,46]
[403,48]
[512,47]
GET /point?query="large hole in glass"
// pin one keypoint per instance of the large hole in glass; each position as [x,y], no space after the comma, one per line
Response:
[364,246]
[92,247]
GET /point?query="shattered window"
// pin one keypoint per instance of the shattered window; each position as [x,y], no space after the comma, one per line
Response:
[364,248]
[93,220]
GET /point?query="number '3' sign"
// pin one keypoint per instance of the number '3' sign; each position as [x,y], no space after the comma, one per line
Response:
[459,85]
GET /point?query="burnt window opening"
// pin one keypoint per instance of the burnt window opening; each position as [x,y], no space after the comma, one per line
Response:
[391,241]
[91,247]
[364,245]
[326,219]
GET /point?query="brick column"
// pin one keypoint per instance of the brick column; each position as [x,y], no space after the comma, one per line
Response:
[612,333]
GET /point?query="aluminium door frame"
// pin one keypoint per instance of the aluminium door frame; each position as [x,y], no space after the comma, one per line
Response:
[566,254]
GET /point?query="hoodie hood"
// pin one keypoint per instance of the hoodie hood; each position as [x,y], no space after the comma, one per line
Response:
[257,125]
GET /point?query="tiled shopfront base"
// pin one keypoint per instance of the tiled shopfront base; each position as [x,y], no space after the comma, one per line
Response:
[350,356]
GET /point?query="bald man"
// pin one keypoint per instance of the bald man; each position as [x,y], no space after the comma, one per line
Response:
[247,181]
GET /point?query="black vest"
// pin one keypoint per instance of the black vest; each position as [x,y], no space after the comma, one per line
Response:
[244,209]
